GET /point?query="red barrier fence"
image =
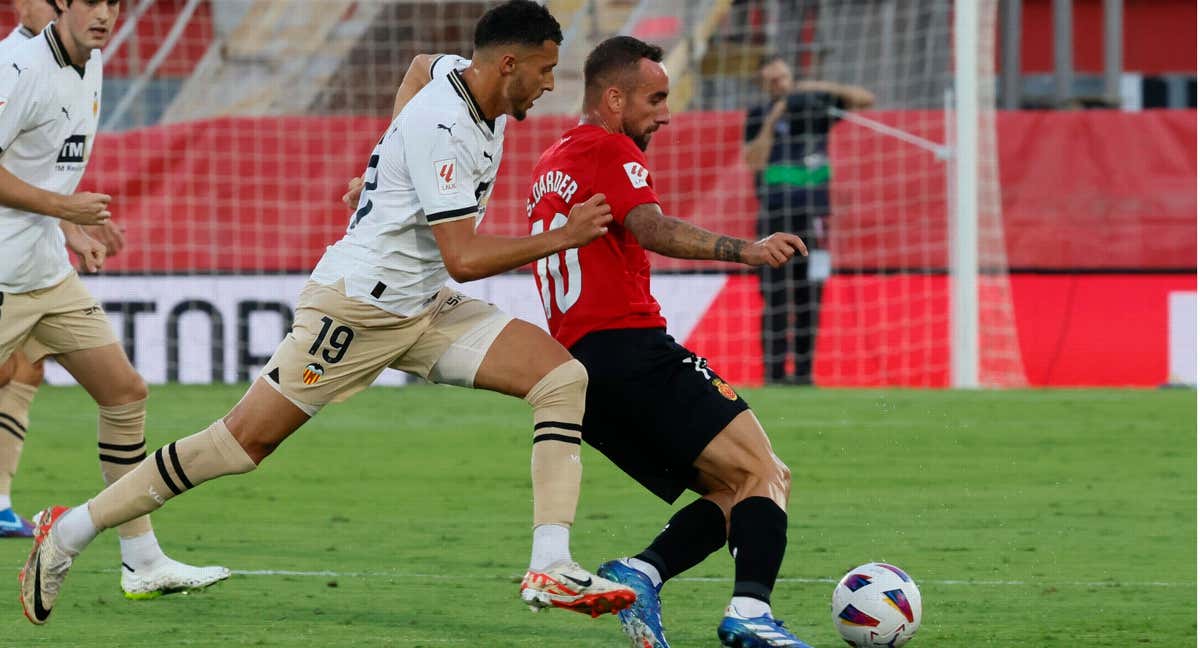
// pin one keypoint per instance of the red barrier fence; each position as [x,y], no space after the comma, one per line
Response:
[1081,190]
[1094,190]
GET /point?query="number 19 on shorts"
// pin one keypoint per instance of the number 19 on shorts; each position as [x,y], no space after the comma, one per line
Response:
[566,277]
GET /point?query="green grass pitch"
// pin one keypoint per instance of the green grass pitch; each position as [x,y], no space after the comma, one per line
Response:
[1029,518]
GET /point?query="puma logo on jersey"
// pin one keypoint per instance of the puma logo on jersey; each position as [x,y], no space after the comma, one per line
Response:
[489,157]
[448,128]
[637,174]
[446,171]
[18,68]
[65,112]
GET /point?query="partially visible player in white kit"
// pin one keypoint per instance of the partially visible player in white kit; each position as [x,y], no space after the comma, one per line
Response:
[49,108]
[32,18]
[21,376]
[378,299]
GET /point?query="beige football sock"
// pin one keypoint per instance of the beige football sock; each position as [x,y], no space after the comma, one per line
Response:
[172,470]
[15,399]
[558,402]
[121,437]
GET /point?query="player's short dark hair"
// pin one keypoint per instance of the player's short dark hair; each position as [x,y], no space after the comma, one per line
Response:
[770,58]
[54,5]
[519,22]
[617,56]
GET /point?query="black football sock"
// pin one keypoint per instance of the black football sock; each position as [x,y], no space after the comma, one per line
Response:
[757,540]
[691,535]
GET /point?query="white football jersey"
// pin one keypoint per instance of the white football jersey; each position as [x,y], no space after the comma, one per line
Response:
[49,112]
[436,163]
[14,38]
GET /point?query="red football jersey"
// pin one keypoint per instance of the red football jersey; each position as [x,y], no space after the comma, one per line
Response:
[606,283]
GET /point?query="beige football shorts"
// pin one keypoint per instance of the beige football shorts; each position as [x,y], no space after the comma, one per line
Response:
[59,319]
[338,346]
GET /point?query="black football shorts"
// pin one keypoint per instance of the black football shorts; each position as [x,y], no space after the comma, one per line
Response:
[652,405]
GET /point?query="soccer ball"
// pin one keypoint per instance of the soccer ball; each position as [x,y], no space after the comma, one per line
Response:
[876,604]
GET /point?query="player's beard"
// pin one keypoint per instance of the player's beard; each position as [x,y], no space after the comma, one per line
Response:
[642,140]
[518,89]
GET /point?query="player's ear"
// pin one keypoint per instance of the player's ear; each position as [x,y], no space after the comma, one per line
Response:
[508,64]
[614,98]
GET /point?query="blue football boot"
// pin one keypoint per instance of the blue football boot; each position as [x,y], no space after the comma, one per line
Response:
[14,526]
[642,621]
[759,632]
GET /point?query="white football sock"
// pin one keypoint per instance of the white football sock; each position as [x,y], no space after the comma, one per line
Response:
[74,530]
[646,568]
[5,502]
[141,552]
[744,607]
[551,544]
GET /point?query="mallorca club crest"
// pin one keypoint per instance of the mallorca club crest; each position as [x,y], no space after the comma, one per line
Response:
[724,388]
[313,373]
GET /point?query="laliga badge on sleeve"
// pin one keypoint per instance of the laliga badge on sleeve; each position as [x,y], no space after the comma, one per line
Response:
[637,174]
[446,171]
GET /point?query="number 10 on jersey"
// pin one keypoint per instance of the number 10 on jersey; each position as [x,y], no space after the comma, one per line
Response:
[566,276]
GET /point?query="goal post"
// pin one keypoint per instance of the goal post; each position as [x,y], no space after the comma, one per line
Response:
[964,273]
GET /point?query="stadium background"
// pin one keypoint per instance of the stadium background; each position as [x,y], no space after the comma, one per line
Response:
[231,127]
[1029,516]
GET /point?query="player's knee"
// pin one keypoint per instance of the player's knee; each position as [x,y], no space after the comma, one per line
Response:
[31,374]
[782,478]
[131,390]
[764,477]
[253,441]
[7,369]
[561,393]
[257,449]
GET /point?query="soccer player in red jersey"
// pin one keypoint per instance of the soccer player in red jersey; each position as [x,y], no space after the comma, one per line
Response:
[656,409]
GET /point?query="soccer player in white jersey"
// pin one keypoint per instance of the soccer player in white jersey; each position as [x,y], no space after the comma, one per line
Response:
[378,299]
[22,374]
[49,106]
[32,18]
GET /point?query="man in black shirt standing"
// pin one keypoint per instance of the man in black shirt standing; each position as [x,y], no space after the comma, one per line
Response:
[787,149]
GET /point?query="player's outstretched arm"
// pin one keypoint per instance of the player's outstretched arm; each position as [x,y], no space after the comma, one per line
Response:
[417,77]
[469,255]
[83,208]
[676,238]
[855,97]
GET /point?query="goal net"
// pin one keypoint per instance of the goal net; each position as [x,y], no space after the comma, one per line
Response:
[230,127]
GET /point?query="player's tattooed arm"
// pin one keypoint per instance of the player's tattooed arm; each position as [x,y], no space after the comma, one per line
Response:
[676,238]
[729,249]
[673,237]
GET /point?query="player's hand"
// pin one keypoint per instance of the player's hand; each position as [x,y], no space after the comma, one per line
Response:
[353,191]
[775,250]
[110,235]
[587,221]
[85,208]
[89,250]
[777,110]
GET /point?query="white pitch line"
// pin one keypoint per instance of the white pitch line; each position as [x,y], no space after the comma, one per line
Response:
[702,579]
